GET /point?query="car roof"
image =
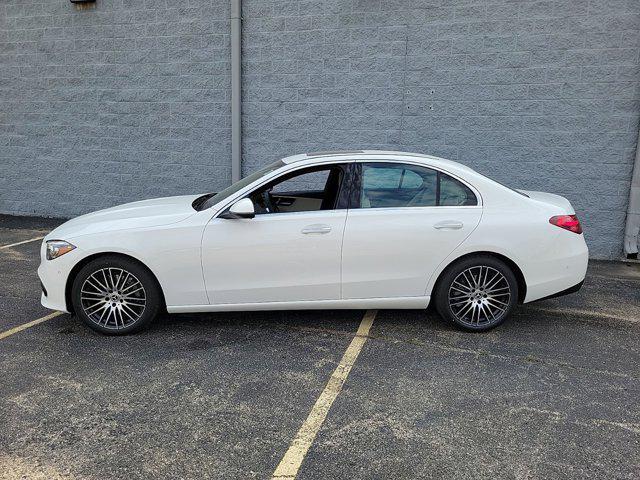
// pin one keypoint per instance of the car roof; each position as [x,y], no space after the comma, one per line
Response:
[377,155]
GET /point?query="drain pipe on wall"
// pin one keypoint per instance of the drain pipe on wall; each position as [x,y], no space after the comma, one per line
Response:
[236,90]
[632,229]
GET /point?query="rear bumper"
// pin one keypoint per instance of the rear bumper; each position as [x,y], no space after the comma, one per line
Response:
[561,273]
[567,291]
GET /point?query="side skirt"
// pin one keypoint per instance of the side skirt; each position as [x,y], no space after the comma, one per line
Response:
[350,304]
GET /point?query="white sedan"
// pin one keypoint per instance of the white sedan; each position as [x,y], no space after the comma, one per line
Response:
[325,230]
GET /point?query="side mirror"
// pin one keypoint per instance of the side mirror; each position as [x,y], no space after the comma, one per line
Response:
[241,209]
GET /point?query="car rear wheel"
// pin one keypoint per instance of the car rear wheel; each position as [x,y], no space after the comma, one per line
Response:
[115,295]
[477,293]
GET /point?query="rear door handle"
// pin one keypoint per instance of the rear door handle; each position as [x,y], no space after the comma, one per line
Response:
[320,228]
[448,225]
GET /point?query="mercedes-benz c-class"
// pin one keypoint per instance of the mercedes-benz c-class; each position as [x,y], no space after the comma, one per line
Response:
[325,230]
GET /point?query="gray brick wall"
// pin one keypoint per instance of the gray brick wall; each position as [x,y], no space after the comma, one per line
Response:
[130,99]
[115,103]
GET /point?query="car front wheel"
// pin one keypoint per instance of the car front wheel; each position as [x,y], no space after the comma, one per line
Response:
[477,293]
[115,295]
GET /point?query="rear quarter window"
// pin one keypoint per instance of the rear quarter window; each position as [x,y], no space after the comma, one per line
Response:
[454,193]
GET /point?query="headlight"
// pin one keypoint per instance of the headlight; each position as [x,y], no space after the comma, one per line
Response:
[56,248]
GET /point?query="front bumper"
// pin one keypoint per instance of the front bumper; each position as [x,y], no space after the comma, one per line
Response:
[53,276]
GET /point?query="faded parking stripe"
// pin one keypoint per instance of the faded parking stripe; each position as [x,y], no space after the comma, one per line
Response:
[24,326]
[292,460]
[20,243]
[585,313]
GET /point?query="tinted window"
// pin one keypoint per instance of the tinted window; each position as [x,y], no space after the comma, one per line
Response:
[381,176]
[397,185]
[411,179]
[455,193]
[393,185]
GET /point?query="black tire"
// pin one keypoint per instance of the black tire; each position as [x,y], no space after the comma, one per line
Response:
[491,301]
[131,306]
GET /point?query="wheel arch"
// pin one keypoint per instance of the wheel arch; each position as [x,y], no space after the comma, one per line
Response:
[89,258]
[522,284]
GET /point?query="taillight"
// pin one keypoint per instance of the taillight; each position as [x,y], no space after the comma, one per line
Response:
[568,222]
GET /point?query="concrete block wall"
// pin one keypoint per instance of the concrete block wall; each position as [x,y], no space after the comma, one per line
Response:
[542,95]
[125,100]
[130,99]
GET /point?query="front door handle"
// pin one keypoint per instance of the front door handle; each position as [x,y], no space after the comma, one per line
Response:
[448,225]
[320,228]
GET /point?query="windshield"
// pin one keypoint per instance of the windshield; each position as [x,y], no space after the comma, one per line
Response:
[239,185]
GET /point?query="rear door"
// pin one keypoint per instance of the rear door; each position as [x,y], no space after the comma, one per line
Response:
[403,221]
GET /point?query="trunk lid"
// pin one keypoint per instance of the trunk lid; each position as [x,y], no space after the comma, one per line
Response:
[564,206]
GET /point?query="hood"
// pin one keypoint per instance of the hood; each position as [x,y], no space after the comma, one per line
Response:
[146,213]
[562,204]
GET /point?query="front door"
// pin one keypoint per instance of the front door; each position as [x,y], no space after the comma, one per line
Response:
[289,252]
[406,220]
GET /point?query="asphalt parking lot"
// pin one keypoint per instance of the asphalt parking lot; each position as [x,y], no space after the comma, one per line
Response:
[553,393]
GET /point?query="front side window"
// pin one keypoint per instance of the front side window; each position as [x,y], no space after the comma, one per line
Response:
[395,185]
[307,190]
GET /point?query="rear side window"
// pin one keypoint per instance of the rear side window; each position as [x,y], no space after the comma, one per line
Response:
[389,185]
[394,185]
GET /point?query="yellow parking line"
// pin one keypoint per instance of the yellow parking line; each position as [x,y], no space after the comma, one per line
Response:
[290,463]
[24,326]
[20,243]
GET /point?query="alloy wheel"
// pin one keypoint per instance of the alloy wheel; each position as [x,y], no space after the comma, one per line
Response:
[479,296]
[113,298]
